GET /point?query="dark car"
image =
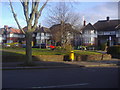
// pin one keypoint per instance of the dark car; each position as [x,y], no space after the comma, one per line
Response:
[43,45]
[36,46]
[39,46]
[23,45]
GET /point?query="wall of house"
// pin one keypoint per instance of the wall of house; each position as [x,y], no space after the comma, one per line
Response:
[118,36]
[42,37]
[89,37]
[105,36]
[0,39]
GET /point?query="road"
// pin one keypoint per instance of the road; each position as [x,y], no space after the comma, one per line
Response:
[61,78]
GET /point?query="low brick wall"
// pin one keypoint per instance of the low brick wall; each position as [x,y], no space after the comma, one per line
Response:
[49,57]
[77,57]
[93,57]
[58,58]
[106,57]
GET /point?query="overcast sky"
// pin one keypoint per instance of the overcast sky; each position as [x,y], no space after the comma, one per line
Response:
[91,11]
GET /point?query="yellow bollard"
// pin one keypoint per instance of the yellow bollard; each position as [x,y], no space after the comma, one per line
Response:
[32,43]
[72,56]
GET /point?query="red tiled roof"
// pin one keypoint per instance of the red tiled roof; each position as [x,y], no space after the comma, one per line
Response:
[17,31]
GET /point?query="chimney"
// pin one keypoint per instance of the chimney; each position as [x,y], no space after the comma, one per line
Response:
[5,26]
[108,18]
[84,23]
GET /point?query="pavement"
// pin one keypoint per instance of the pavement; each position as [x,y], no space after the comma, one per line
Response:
[62,64]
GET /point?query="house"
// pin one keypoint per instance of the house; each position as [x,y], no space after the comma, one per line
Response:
[65,34]
[10,35]
[103,31]
[118,34]
[89,35]
[42,35]
[108,31]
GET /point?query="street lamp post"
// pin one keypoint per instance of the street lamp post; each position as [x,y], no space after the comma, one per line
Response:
[110,40]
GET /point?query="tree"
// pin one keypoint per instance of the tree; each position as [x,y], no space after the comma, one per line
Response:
[31,20]
[64,22]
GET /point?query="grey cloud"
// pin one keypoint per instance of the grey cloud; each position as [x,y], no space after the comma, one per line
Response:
[101,11]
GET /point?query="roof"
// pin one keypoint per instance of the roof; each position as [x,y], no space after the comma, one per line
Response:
[17,31]
[118,27]
[10,30]
[67,27]
[1,30]
[89,26]
[106,25]
[43,29]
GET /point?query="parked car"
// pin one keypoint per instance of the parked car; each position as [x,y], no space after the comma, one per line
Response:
[52,47]
[6,45]
[23,45]
[40,46]
[36,46]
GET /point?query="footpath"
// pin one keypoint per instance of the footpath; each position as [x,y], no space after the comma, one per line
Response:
[63,64]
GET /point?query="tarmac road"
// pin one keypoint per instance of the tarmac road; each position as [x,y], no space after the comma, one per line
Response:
[93,77]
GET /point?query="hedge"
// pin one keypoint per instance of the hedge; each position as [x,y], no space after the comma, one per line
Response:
[114,51]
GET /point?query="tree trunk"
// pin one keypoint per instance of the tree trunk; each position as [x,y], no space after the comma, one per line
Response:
[28,48]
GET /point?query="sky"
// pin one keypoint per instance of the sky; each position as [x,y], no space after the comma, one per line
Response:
[91,11]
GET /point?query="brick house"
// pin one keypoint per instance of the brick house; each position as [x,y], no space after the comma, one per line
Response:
[42,35]
[101,32]
[108,30]
[89,35]
[71,35]
[10,35]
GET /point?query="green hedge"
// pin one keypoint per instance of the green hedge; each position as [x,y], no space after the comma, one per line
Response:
[114,51]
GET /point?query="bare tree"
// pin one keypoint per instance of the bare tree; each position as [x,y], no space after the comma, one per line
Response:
[66,20]
[31,20]
[62,12]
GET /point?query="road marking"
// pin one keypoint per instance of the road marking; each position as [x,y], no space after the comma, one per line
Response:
[58,86]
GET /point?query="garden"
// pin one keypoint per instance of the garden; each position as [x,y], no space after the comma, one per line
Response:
[18,54]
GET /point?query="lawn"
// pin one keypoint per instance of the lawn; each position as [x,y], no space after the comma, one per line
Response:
[35,51]
[38,51]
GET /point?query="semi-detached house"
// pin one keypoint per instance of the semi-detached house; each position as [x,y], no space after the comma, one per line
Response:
[101,32]
[10,35]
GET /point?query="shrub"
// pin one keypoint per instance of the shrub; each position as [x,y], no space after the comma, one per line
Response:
[91,47]
[103,46]
[114,51]
[82,47]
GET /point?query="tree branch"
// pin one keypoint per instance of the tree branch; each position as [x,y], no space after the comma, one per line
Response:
[38,14]
[32,15]
[41,9]
[15,17]
[26,10]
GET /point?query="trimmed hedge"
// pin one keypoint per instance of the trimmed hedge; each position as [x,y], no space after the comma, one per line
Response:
[114,51]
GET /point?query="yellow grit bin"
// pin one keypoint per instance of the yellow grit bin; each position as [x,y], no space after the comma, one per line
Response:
[72,56]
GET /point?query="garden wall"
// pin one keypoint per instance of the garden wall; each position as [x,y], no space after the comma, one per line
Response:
[77,57]
[57,58]
[49,57]
[93,57]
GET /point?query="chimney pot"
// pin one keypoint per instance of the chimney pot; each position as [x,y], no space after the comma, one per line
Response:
[108,18]
[84,23]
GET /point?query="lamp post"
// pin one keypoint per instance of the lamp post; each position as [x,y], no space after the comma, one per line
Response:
[110,40]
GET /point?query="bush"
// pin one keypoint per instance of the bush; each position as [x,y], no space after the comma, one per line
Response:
[91,47]
[82,47]
[103,46]
[11,45]
[114,51]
